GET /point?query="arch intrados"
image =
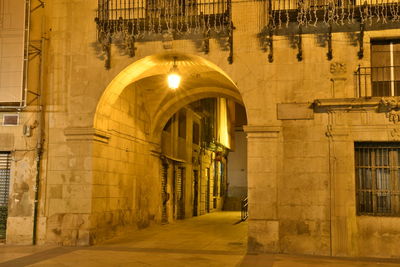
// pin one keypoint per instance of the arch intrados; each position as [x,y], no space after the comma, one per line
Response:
[151,66]
[180,101]
[159,64]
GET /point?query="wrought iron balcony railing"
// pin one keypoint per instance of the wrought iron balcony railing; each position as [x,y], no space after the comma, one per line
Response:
[377,81]
[127,21]
[310,12]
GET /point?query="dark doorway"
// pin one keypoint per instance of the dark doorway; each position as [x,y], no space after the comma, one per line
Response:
[180,192]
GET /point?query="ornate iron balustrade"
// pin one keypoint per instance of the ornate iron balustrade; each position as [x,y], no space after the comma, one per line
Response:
[377,81]
[340,12]
[124,22]
[296,17]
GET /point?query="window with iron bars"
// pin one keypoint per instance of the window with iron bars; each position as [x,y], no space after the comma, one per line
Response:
[377,166]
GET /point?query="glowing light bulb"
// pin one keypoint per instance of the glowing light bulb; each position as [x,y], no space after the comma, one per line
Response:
[174,80]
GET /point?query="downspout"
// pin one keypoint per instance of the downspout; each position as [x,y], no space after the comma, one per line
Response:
[26,52]
[39,149]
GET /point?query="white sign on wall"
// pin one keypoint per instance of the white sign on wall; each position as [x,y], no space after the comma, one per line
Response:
[12,24]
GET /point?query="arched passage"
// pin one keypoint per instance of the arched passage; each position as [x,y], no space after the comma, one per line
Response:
[132,112]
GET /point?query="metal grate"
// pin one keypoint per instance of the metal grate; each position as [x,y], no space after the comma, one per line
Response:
[5,164]
[378,178]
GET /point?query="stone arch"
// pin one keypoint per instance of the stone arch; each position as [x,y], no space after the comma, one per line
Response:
[130,116]
[158,66]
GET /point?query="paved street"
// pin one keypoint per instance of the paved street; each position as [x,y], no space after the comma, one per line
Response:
[211,240]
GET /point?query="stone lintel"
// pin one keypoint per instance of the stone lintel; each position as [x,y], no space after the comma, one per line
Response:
[86,134]
[346,104]
[257,131]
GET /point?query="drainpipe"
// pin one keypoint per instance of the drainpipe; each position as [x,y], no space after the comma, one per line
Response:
[39,148]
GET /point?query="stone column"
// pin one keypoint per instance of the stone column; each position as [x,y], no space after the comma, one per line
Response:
[70,186]
[263,159]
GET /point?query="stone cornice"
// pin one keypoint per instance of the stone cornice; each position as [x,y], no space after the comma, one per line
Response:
[86,134]
[389,105]
[324,105]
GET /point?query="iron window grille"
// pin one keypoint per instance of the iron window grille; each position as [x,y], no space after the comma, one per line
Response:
[377,167]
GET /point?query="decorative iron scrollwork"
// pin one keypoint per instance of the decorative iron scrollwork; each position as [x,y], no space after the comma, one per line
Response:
[130,21]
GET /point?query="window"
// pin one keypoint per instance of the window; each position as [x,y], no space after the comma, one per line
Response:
[385,68]
[378,178]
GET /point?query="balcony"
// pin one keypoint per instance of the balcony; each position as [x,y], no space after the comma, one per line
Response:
[377,81]
[124,22]
[140,17]
[339,12]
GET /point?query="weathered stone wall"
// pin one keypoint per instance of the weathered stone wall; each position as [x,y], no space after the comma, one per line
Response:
[125,172]
[22,178]
[99,173]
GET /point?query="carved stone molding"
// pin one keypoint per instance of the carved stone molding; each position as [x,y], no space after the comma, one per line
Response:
[391,106]
[337,133]
[338,68]
[389,103]
[346,104]
[254,131]
[393,116]
[86,134]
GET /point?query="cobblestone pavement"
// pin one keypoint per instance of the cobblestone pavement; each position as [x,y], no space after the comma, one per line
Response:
[215,239]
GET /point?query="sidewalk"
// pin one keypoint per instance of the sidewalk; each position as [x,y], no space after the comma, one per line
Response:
[209,240]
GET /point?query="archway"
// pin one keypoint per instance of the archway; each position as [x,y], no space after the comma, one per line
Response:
[131,114]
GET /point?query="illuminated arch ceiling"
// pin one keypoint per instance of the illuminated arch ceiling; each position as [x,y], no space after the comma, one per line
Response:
[200,79]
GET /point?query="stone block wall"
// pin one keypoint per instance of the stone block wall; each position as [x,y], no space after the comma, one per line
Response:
[99,172]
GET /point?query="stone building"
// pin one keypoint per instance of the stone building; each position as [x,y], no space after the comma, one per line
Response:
[90,128]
